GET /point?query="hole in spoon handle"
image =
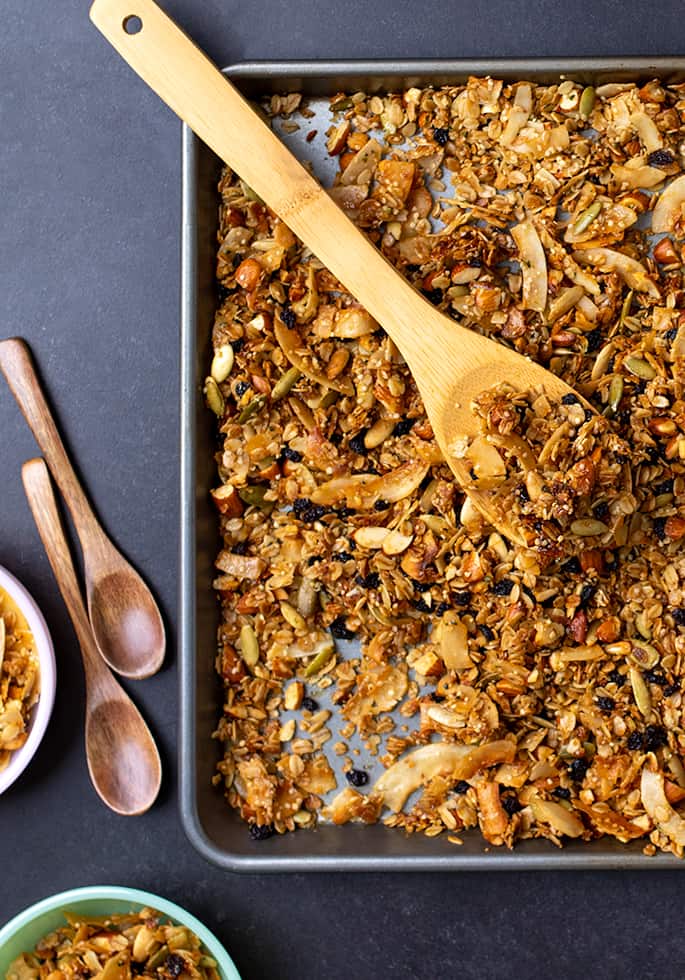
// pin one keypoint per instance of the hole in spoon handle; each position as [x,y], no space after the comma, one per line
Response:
[132,24]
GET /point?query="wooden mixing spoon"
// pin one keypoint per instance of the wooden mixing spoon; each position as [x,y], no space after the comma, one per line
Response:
[450,363]
[125,618]
[123,760]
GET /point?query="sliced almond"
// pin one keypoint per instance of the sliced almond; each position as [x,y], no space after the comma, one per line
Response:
[371,537]
[338,138]
[395,543]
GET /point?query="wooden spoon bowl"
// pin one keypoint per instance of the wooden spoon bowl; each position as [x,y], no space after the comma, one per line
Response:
[450,363]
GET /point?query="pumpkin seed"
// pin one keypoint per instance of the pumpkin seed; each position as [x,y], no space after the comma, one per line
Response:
[222,363]
[158,958]
[253,406]
[586,527]
[639,367]
[285,384]
[213,397]
[640,692]
[293,617]
[642,625]
[254,497]
[585,219]
[340,104]
[249,647]
[615,392]
[587,101]
[644,655]
[625,309]
[320,660]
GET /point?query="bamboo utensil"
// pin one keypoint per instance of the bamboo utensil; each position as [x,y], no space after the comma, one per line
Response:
[450,363]
[124,616]
[123,760]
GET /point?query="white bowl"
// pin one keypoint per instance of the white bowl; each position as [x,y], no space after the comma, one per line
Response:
[41,711]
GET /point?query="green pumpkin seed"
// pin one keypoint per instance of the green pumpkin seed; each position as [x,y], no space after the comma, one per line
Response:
[625,309]
[587,101]
[222,363]
[641,693]
[285,383]
[615,392]
[249,647]
[642,369]
[213,397]
[585,219]
[157,958]
[586,527]
[254,497]
[343,103]
[320,660]
[252,407]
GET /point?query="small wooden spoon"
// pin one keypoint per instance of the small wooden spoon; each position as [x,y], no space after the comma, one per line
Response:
[450,363]
[125,618]
[123,760]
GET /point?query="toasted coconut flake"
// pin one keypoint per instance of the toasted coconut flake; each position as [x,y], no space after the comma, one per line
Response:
[533,265]
[659,809]
[631,271]
[438,759]
[561,820]
[518,115]
[668,211]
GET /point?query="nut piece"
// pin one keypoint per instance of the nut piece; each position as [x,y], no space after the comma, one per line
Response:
[338,138]
[371,537]
[222,363]
[292,699]
[395,543]
[249,647]
[248,274]
[227,501]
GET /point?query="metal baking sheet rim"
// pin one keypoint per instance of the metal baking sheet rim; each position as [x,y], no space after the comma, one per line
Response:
[302,852]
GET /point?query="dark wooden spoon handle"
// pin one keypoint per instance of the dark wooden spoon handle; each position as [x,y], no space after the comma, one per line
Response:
[17,366]
[41,498]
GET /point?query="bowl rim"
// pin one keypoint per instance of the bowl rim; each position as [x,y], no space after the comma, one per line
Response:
[48,677]
[136,896]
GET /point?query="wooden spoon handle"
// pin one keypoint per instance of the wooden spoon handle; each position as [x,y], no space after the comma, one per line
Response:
[41,498]
[195,89]
[17,366]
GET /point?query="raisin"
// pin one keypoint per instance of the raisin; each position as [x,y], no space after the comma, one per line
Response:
[601,511]
[344,512]
[339,629]
[175,965]
[463,598]
[569,399]
[403,427]
[605,703]
[634,741]
[357,777]
[441,135]
[670,689]
[660,158]
[571,567]
[262,832]
[562,793]
[306,511]
[288,317]
[586,593]
[510,804]
[312,560]
[342,556]
[577,770]
[356,444]
[488,634]
[666,486]
[594,340]
[617,678]
[433,296]
[309,704]
[462,787]
[655,677]
[441,608]
[335,438]
[522,493]
[241,388]
[237,345]
[421,605]
[678,615]
[654,738]
[659,526]
[222,293]
[291,454]
[240,548]
[370,581]
[503,587]
[381,504]
[671,334]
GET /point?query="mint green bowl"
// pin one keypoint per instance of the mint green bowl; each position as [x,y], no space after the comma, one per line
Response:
[21,934]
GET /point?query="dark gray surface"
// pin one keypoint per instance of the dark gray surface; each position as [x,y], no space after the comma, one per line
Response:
[89,183]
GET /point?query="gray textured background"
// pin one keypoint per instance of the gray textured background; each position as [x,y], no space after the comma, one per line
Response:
[89,257]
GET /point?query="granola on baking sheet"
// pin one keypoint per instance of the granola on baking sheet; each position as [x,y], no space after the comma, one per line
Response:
[532,692]
[19,678]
